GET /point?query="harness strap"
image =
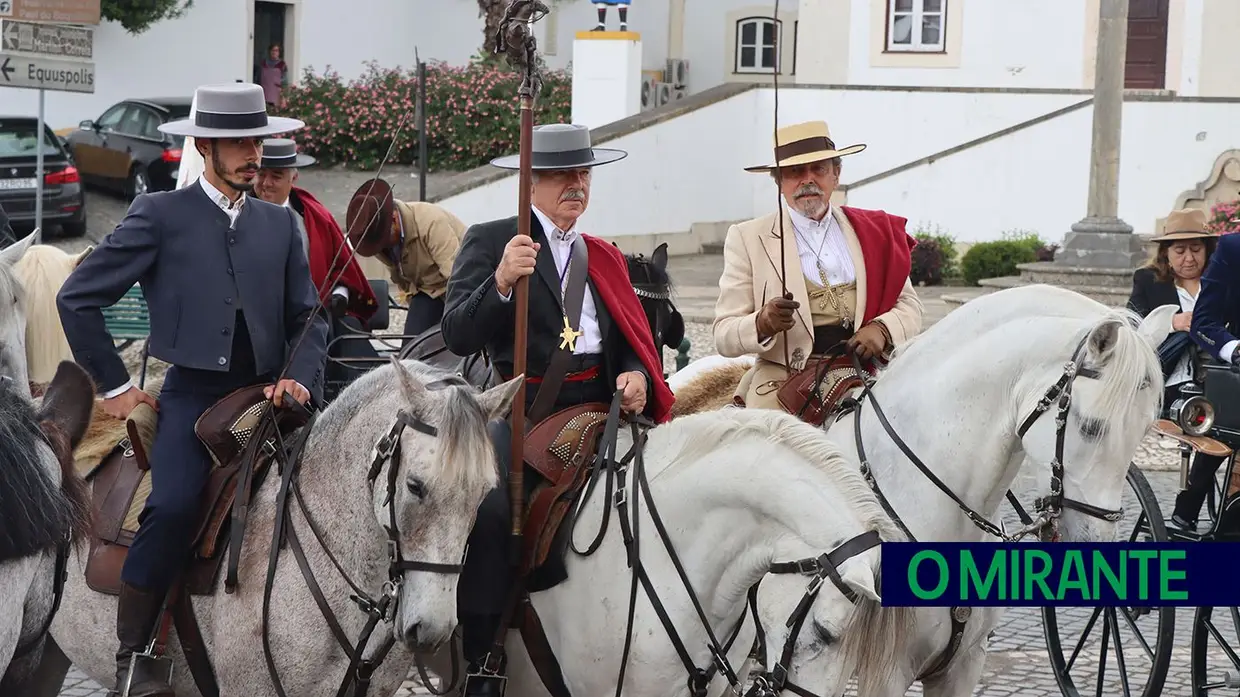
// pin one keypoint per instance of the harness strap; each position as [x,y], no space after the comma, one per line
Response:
[574,297]
[244,490]
[193,646]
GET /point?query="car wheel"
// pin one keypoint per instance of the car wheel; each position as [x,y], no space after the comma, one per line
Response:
[139,182]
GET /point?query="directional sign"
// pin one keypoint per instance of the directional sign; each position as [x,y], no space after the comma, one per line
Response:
[46,73]
[62,11]
[56,40]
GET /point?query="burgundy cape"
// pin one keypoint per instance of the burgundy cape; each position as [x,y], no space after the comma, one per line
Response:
[887,250]
[326,242]
[610,273]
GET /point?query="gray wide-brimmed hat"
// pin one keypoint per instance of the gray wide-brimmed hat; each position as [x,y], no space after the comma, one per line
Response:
[561,146]
[232,110]
[280,153]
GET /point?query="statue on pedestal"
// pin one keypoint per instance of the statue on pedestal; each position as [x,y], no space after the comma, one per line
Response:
[602,13]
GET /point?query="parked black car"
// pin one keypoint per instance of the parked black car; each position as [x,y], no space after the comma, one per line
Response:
[124,150]
[64,202]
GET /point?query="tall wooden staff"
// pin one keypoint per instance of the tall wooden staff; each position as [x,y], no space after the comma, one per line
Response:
[517,41]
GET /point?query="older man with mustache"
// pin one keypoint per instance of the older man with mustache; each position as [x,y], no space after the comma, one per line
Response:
[847,280]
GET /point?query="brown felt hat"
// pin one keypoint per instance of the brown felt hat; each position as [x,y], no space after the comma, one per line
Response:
[1184,224]
[369,211]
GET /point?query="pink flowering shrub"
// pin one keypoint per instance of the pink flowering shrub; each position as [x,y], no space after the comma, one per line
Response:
[1224,217]
[472,114]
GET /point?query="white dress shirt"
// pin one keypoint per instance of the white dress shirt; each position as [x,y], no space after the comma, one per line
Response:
[560,242]
[823,241]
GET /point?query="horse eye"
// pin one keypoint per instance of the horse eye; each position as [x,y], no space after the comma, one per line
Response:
[1092,428]
[826,635]
[417,487]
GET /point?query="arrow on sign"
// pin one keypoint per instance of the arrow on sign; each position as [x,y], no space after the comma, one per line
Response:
[7,70]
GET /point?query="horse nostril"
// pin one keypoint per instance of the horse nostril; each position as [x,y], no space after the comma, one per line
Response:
[411,635]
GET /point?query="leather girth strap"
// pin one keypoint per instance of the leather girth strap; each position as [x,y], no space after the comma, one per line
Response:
[557,369]
[264,430]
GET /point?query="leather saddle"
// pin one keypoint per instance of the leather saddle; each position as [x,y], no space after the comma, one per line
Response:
[560,449]
[121,484]
[814,393]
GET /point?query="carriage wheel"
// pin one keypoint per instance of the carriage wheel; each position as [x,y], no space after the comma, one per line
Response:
[1216,666]
[1115,650]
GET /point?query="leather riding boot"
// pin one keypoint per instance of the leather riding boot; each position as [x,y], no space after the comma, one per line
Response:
[1189,501]
[136,615]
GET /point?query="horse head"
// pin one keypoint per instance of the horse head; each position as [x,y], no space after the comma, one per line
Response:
[13,316]
[432,464]
[653,286]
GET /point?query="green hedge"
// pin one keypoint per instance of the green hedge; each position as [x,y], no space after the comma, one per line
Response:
[995,259]
[472,114]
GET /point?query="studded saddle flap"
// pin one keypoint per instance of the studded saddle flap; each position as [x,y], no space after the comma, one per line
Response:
[227,426]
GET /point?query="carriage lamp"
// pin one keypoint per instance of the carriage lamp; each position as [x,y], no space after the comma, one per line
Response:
[1194,414]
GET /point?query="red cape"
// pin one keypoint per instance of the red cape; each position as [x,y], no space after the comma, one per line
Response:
[610,273]
[887,249]
[326,241]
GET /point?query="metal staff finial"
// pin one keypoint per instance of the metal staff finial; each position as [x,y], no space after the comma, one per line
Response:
[515,40]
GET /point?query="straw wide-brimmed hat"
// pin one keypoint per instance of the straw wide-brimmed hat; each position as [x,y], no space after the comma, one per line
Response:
[803,143]
[1184,224]
[561,146]
[370,209]
[232,110]
[280,153]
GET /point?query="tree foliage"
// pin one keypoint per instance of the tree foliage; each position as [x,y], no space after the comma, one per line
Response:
[138,15]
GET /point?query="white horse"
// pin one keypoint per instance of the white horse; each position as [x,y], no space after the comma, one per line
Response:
[41,271]
[963,397]
[444,467]
[13,316]
[737,491]
[42,504]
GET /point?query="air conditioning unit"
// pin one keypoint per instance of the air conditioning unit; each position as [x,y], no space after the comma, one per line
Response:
[649,92]
[677,72]
[663,94]
[679,93]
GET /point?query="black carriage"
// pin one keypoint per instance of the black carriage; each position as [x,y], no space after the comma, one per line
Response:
[1204,418]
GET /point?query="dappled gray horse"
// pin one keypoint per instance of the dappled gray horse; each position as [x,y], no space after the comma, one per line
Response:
[427,424]
[43,508]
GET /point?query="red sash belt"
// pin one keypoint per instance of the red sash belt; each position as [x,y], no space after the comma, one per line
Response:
[587,374]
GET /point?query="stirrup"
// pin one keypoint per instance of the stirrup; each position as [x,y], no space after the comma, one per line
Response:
[148,654]
[484,677]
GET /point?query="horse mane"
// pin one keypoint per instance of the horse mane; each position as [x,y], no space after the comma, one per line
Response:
[41,272]
[876,636]
[469,461]
[35,514]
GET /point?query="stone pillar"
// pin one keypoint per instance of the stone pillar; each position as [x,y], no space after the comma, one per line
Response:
[1101,239]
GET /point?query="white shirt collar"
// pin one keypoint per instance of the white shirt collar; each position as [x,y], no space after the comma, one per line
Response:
[800,222]
[553,232]
[219,198]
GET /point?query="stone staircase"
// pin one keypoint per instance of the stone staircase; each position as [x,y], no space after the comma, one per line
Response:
[1108,286]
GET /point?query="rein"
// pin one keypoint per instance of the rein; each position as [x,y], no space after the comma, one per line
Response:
[823,567]
[380,608]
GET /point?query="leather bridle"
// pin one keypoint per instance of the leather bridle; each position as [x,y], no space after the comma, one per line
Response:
[1049,507]
[378,609]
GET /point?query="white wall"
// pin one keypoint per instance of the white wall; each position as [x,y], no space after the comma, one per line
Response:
[690,169]
[1004,43]
[347,35]
[677,173]
[167,60]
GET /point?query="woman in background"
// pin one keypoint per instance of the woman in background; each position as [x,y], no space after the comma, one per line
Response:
[1173,277]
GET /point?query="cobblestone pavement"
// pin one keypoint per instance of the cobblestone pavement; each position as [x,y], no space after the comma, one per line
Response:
[1018,663]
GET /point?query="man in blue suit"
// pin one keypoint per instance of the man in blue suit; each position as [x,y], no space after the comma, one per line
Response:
[1217,313]
[228,286]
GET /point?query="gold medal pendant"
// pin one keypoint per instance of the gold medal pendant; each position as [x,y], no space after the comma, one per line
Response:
[568,336]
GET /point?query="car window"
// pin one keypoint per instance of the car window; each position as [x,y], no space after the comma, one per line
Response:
[142,122]
[17,139]
[176,113]
[112,117]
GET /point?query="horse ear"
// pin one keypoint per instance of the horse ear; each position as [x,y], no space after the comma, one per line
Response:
[69,401]
[82,255]
[659,258]
[13,252]
[412,388]
[1157,324]
[861,574]
[498,400]
[1102,339]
